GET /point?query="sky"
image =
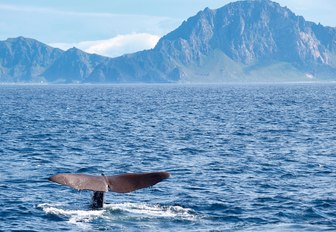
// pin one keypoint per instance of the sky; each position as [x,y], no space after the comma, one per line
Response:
[115,27]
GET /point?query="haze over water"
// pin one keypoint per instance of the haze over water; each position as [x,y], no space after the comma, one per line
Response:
[242,157]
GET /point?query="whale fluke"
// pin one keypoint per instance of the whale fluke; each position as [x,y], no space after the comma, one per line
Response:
[130,182]
[81,181]
[120,183]
[123,183]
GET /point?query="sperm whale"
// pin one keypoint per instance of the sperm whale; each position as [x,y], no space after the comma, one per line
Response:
[123,183]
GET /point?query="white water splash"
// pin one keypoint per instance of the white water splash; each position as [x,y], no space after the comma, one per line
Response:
[153,210]
[117,212]
[81,218]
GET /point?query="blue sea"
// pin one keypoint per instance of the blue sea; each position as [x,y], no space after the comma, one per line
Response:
[258,157]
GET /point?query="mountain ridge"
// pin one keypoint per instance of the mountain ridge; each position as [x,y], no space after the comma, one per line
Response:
[244,41]
[22,59]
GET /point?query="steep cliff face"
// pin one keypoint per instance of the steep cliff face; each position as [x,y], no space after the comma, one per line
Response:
[253,32]
[23,60]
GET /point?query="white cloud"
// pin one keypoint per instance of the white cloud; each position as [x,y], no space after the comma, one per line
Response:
[116,46]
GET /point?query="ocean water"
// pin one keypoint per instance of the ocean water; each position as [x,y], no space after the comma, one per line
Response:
[241,157]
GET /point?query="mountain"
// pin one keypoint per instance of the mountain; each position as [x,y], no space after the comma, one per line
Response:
[73,65]
[23,60]
[242,41]
[253,40]
[28,60]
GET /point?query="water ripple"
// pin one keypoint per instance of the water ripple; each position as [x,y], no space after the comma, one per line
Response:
[242,157]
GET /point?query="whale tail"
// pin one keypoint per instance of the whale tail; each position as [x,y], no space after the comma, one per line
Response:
[97,201]
[123,183]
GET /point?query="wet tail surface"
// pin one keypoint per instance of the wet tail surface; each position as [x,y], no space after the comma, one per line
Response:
[123,183]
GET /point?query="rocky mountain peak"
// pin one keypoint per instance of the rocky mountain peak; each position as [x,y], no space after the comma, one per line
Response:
[236,40]
[23,59]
